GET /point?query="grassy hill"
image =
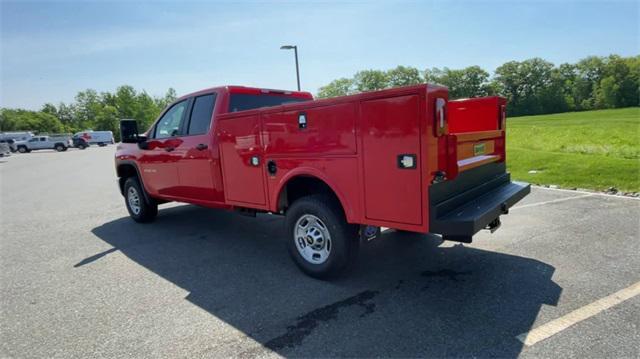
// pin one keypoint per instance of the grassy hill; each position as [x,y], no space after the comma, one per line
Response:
[593,149]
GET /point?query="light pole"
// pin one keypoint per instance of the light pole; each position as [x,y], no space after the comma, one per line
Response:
[295,50]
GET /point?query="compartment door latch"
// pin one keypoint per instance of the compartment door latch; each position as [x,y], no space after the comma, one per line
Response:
[407,161]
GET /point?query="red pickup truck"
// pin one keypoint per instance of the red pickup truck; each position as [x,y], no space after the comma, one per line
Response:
[338,169]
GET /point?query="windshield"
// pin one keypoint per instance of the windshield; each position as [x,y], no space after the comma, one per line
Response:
[242,102]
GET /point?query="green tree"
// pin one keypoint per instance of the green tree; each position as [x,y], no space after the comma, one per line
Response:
[67,115]
[24,120]
[107,120]
[472,81]
[87,107]
[339,87]
[370,80]
[126,102]
[532,86]
[168,98]
[403,76]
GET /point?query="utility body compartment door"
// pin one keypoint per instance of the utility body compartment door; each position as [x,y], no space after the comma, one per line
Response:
[242,161]
[391,156]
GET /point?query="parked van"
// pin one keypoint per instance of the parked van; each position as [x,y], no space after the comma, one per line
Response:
[100,138]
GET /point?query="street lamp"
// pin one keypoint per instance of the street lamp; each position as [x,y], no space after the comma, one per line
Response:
[295,49]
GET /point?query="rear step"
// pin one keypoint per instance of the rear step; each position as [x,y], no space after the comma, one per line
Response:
[472,201]
[462,222]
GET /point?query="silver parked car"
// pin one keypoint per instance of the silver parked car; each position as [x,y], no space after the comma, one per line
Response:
[58,143]
[5,150]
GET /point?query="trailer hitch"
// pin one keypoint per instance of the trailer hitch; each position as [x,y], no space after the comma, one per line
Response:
[494,225]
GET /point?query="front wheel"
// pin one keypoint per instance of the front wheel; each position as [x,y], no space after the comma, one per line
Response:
[139,209]
[22,149]
[320,240]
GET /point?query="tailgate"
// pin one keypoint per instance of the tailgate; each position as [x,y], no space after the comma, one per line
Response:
[475,134]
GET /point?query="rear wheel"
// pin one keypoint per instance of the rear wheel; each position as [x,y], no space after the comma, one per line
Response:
[320,240]
[139,209]
[60,147]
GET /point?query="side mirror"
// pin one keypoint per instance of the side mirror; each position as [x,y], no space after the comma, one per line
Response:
[129,131]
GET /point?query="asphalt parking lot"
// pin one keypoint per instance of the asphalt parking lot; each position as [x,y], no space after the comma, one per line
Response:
[80,279]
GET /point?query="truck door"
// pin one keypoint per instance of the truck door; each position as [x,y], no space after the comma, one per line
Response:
[159,162]
[391,155]
[199,169]
[242,161]
[34,143]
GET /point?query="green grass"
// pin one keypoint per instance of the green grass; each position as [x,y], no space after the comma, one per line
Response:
[592,149]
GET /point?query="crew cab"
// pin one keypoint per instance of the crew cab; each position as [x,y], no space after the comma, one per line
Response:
[338,169]
[58,143]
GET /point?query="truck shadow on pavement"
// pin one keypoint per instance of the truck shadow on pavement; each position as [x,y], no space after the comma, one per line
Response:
[407,296]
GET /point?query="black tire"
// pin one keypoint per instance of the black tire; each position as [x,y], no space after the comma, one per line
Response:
[59,147]
[146,212]
[82,147]
[23,149]
[343,236]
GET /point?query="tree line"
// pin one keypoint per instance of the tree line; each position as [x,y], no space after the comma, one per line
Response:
[532,86]
[90,110]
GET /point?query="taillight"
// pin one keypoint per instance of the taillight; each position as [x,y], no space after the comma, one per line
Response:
[502,120]
[441,117]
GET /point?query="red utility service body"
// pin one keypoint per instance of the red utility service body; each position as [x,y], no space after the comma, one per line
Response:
[404,158]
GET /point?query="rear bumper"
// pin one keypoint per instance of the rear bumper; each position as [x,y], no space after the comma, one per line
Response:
[476,198]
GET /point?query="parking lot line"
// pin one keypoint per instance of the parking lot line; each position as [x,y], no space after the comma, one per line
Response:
[551,201]
[555,326]
[585,192]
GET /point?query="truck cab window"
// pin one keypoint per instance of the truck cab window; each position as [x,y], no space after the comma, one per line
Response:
[201,114]
[242,102]
[169,124]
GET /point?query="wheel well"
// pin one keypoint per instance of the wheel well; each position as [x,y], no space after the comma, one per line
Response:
[125,171]
[303,186]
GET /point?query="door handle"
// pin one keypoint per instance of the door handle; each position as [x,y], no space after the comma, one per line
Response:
[201,147]
[169,149]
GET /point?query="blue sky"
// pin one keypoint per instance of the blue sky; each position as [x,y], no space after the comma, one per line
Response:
[51,50]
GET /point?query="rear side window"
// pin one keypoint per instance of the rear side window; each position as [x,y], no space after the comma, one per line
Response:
[242,102]
[201,114]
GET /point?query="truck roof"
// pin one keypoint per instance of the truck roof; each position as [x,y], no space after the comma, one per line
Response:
[249,90]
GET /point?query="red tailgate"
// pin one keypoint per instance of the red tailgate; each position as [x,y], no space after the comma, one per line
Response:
[476,133]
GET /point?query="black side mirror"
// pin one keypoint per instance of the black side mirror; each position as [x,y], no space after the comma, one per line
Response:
[129,131]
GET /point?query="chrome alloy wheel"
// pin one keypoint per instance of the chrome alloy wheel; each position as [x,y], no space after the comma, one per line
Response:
[133,198]
[312,238]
